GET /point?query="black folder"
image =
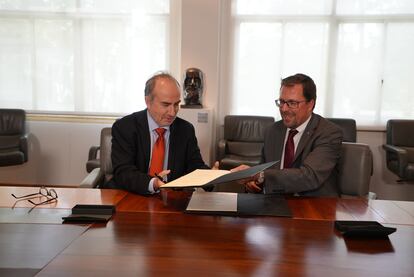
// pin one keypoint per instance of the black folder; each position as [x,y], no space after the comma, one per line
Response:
[90,213]
[363,229]
[228,177]
[238,204]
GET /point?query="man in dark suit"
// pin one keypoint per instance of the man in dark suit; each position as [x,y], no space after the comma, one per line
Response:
[307,145]
[134,138]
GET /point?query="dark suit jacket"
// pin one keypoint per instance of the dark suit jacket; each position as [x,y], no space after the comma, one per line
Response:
[314,170]
[131,145]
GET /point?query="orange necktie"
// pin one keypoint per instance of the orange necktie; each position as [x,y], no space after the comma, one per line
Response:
[158,150]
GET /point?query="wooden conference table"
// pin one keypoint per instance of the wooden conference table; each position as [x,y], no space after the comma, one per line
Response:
[151,237]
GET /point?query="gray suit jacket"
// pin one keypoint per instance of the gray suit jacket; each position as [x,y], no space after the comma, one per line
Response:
[314,170]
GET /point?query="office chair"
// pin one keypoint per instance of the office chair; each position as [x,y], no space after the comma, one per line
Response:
[243,140]
[355,169]
[102,174]
[13,137]
[348,126]
[399,149]
[93,158]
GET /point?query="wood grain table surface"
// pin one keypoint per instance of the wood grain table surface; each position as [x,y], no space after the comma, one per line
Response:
[151,236]
[383,211]
[177,244]
[67,197]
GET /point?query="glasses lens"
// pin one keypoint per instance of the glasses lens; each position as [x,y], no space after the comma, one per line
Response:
[43,191]
[53,193]
[292,104]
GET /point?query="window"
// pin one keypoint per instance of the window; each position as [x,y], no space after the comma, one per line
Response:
[79,56]
[357,52]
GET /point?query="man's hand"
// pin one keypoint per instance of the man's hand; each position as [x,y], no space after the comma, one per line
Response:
[252,184]
[256,185]
[240,167]
[216,165]
[159,179]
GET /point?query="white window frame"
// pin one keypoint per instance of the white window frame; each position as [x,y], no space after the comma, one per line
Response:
[229,31]
[173,38]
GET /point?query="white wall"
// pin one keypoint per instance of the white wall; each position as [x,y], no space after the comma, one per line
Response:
[200,40]
[200,44]
[58,152]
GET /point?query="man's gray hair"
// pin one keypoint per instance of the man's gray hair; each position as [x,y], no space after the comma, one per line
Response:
[150,84]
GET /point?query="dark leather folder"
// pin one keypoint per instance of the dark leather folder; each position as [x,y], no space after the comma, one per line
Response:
[238,204]
[90,213]
[364,229]
[229,176]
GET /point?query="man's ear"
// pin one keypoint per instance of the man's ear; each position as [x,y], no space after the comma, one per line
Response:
[148,100]
[312,102]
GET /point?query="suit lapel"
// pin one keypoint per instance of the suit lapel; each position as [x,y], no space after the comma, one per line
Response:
[173,141]
[142,123]
[279,143]
[307,134]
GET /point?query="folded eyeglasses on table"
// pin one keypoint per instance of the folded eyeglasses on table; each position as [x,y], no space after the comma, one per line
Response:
[50,194]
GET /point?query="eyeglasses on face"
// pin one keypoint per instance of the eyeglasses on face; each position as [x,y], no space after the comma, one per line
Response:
[290,103]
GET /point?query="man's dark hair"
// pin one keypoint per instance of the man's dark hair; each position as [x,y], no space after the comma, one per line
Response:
[309,87]
[150,84]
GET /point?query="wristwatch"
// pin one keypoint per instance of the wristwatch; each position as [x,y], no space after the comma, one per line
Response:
[261,178]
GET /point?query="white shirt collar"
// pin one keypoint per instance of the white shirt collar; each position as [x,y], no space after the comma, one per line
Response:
[153,125]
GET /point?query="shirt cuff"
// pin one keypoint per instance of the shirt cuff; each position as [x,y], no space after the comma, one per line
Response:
[151,186]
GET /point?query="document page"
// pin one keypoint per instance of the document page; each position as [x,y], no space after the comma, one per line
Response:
[198,177]
[209,177]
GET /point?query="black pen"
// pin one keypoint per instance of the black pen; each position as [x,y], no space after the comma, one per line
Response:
[159,177]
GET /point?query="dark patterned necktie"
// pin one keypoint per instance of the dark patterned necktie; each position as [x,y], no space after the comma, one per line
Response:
[289,149]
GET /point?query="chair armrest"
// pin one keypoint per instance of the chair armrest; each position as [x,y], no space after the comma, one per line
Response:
[402,156]
[23,146]
[93,152]
[93,179]
[221,149]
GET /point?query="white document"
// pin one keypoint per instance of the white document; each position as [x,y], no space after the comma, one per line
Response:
[210,177]
[197,178]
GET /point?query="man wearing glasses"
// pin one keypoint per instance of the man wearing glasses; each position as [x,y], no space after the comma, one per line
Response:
[307,145]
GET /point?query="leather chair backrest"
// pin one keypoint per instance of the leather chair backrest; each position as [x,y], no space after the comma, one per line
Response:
[246,149]
[355,169]
[246,128]
[244,134]
[106,148]
[400,132]
[13,137]
[12,122]
[348,126]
